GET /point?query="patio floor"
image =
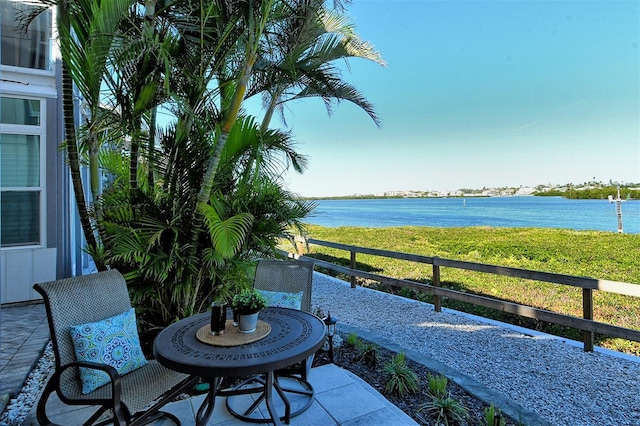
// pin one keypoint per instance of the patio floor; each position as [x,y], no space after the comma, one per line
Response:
[341,397]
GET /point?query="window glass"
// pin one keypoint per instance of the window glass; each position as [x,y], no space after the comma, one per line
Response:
[30,48]
[19,218]
[21,186]
[19,161]
[20,111]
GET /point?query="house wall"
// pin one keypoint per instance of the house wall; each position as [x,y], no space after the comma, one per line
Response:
[22,266]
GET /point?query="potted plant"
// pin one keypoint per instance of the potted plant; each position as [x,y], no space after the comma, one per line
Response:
[246,305]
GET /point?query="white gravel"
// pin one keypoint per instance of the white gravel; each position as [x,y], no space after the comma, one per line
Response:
[18,408]
[556,380]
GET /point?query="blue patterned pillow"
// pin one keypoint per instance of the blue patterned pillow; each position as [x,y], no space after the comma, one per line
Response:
[112,341]
[282,299]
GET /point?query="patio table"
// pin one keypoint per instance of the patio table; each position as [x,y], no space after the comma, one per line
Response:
[294,336]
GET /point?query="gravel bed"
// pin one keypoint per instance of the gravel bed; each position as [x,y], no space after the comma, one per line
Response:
[556,380]
[20,406]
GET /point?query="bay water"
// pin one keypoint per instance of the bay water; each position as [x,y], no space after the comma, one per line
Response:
[516,212]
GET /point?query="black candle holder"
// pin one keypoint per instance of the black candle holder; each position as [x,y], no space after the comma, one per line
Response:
[218,318]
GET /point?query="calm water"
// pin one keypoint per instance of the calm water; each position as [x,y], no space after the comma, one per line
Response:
[520,212]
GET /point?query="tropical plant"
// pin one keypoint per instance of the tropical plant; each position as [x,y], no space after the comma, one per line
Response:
[401,379]
[190,204]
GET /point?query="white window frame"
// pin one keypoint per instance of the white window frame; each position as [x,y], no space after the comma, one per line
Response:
[41,131]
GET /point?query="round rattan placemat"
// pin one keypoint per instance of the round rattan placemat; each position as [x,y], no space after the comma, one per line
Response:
[231,336]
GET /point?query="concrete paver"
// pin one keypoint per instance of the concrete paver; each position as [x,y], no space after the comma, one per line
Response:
[24,332]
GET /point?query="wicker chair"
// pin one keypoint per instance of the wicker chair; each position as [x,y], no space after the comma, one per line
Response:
[133,398]
[290,276]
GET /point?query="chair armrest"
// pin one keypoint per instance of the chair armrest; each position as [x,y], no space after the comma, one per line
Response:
[111,371]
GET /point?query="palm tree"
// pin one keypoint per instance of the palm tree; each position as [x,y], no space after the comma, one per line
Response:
[302,64]
[181,214]
[302,61]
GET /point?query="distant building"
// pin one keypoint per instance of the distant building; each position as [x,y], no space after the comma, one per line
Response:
[525,190]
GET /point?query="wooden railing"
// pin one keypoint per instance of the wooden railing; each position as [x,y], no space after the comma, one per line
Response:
[586,323]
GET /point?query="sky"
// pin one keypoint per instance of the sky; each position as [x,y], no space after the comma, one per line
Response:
[480,94]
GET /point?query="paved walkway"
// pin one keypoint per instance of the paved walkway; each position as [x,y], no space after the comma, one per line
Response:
[24,333]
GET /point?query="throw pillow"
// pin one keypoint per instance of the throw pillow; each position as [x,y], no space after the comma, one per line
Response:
[112,341]
[282,299]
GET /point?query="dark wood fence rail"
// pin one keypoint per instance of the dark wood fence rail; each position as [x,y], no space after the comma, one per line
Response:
[586,323]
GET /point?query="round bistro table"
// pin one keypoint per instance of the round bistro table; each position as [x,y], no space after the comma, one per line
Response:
[294,336]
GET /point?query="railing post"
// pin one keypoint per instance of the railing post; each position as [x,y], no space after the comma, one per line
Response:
[587,310]
[437,302]
[353,266]
[300,243]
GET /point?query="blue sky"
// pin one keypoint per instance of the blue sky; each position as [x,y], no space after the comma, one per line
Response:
[481,93]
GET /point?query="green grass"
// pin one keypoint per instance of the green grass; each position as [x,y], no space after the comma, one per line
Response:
[600,255]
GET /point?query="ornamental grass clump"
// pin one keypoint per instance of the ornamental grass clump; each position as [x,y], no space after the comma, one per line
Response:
[401,379]
[441,404]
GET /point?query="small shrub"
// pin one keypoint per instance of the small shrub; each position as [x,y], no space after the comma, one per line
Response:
[401,379]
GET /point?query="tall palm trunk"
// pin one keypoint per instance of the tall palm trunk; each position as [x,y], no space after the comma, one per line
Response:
[136,136]
[255,31]
[72,145]
[214,159]
[133,156]
[270,110]
[151,146]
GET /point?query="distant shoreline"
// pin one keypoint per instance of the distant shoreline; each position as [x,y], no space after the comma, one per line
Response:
[628,192]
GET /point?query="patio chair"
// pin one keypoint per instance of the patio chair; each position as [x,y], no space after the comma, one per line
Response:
[99,302]
[286,283]
[288,277]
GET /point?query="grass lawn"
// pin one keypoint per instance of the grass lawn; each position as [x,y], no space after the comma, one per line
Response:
[599,255]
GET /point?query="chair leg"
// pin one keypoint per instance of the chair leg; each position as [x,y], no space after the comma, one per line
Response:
[41,412]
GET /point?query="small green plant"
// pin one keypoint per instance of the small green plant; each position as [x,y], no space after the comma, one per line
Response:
[248,302]
[401,379]
[319,312]
[352,340]
[368,352]
[442,405]
[493,417]
[437,385]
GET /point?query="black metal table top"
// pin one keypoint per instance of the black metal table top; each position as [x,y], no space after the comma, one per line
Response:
[294,336]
